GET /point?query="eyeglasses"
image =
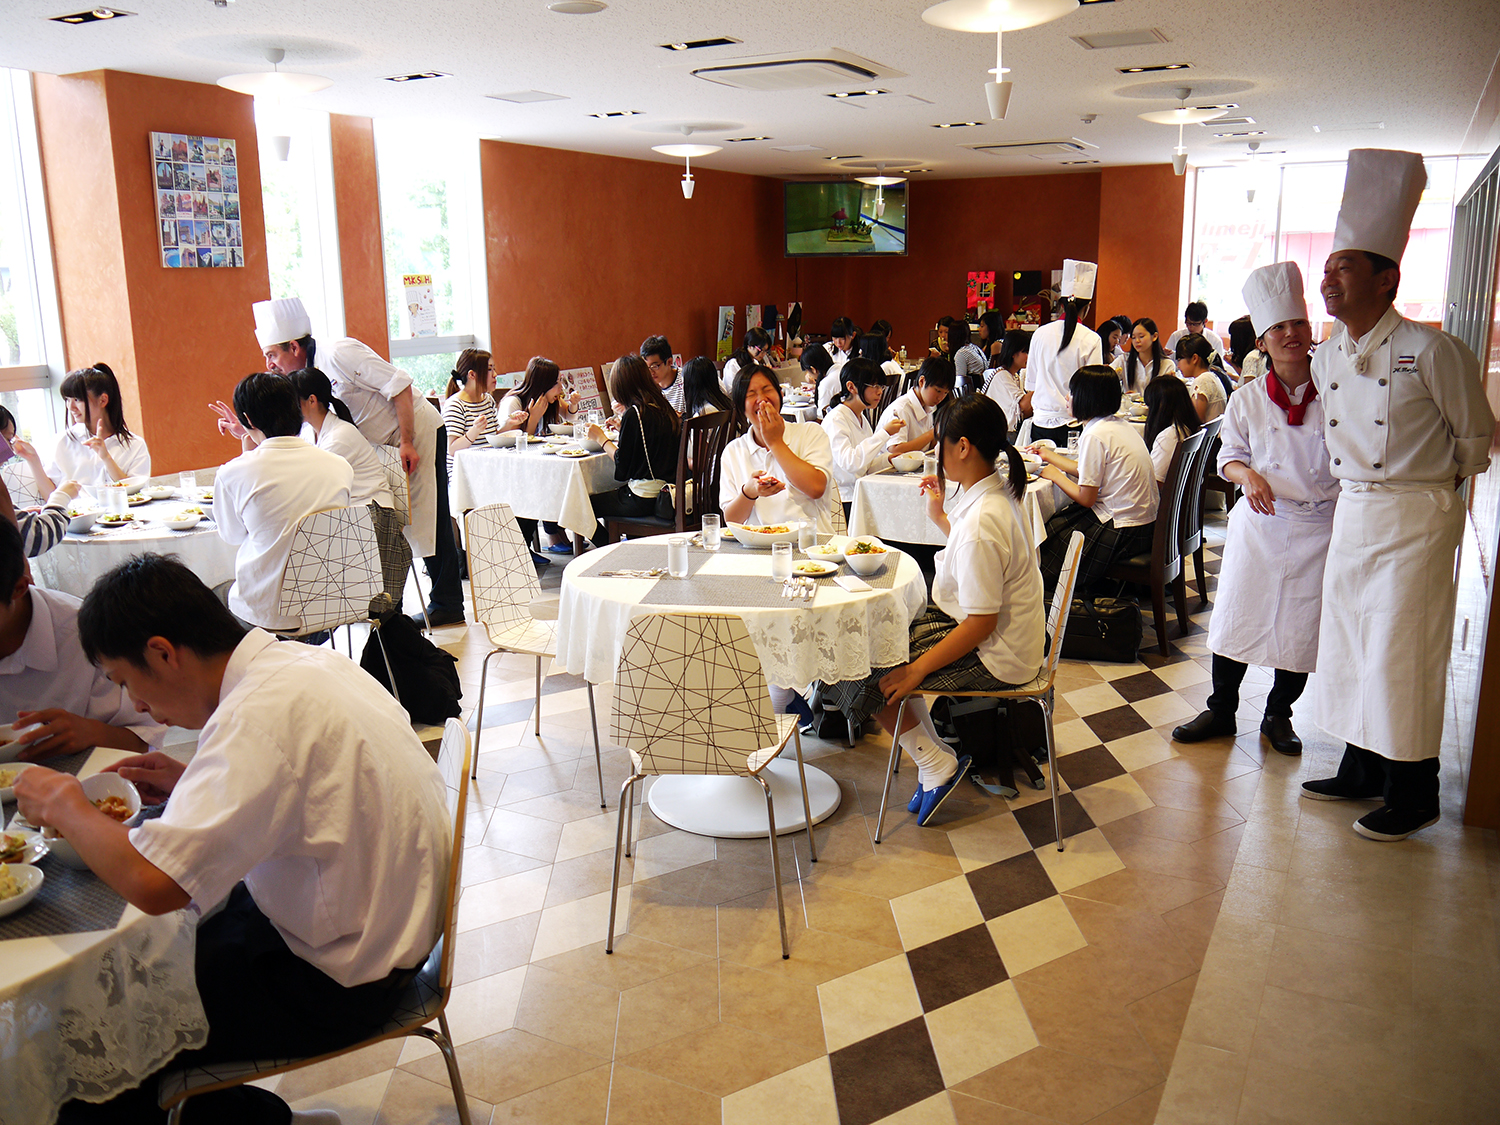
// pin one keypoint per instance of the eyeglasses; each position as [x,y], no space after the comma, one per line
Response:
[654,364]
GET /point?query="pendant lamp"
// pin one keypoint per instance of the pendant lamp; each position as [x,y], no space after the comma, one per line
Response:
[996,17]
[687,152]
[880,181]
[1181,116]
[275,83]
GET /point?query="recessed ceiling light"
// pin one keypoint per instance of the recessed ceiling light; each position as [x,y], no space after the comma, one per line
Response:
[955,124]
[698,44]
[1219,105]
[798,148]
[619,113]
[417,77]
[858,93]
[856,156]
[738,140]
[576,7]
[523,97]
[1248,133]
[93,15]
[1153,69]
[1072,162]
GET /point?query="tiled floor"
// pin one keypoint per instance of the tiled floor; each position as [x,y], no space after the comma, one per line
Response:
[965,973]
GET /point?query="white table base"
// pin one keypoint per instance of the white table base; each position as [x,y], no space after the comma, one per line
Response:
[734,808]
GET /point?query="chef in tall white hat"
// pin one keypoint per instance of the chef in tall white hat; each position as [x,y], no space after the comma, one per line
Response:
[388,412]
[1271,581]
[1407,422]
[1057,351]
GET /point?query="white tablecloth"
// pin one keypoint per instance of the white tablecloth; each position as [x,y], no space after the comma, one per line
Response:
[536,485]
[90,1015]
[76,563]
[888,506]
[840,636]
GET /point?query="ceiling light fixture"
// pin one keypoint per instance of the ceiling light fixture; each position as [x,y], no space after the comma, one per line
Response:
[93,15]
[418,76]
[1182,115]
[996,17]
[687,152]
[880,181]
[742,140]
[619,113]
[275,84]
[576,7]
[699,44]
[955,124]
[1153,69]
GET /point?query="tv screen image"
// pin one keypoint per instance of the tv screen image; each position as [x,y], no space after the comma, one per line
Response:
[839,218]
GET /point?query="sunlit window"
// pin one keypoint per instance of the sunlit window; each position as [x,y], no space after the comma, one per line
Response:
[301,232]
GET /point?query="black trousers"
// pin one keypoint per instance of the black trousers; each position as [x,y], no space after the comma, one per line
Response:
[262,1001]
[1229,674]
[1057,435]
[1410,786]
[444,568]
[620,502]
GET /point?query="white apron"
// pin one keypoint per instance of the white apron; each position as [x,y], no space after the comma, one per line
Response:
[421,533]
[1270,590]
[1387,624]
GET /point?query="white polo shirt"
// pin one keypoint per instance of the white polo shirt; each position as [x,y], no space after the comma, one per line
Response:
[1007,390]
[258,499]
[1162,448]
[73,460]
[1113,458]
[911,410]
[1213,338]
[371,485]
[310,785]
[50,670]
[857,450]
[990,566]
[743,458]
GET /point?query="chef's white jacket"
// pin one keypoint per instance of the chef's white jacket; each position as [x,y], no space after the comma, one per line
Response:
[1050,368]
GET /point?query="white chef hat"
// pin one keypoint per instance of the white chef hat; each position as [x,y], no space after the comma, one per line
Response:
[1078,279]
[1275,293]
[1382,188]
[281,320]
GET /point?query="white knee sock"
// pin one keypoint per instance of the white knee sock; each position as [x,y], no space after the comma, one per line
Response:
[935,762]
[781,697]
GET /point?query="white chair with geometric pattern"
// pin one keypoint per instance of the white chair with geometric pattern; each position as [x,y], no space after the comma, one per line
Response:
[400,485]
[840,523]
[424,1000]
[690,698]
[502,586]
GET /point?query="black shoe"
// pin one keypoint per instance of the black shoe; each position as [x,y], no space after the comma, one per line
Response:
[1389,824]
[1331,789]
[1210,724]
[1279,733]
[438,617]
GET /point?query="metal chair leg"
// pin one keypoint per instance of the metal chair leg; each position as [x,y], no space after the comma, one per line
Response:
[538,696]
[812,843]
[174,1115]
[479,711]
[598,760]
[614,887]
[885,793]
[422,601]
[445,1045]
[1046,705]
[380,642]
[775,864]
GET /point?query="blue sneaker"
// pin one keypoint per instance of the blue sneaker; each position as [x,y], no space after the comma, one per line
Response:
[916,800]
[932,800]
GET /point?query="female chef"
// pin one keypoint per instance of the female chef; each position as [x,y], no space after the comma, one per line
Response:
[1058,350]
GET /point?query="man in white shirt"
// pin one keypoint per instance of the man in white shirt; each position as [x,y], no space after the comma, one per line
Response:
[658,356]
[260,495]
[47,688]
[388,411]
[310,806]
[1195,316]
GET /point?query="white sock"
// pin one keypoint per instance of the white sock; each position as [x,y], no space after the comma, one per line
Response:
[781,697]
[936,764]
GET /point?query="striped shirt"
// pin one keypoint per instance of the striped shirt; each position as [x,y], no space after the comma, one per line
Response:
[459,414]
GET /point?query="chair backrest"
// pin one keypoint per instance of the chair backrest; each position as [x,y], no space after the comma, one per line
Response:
[502,576]
[333,570]
[699,454]
[836,498]
[1062,602]
[1166,547]
[396,479]
[453,763]
[690,695]
[1190,527]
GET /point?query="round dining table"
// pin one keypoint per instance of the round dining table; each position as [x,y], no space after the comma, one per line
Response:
[839,635]
[95,995]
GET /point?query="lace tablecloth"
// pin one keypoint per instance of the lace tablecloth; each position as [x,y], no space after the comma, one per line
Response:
[89,1015]
[536,485]
[888,505]
[840,636]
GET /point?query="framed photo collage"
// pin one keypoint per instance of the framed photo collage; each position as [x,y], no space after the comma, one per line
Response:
[197,201]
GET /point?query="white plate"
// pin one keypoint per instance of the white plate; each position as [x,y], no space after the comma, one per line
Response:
[114,521]
[815,568]
[186,523]
[34,848]
[762,539]
[8,792]
[31,879]
[573,452]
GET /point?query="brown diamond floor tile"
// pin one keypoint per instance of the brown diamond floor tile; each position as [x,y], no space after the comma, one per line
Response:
[1115,723]
[1040,824]
[1143,685]
[955,966]
[1088,767]
[1067,1088]
[1010,884]
[877,1076]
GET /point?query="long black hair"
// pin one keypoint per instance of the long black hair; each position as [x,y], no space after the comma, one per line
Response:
[862,373]
[312,383]
[1158,353]
[1242,340]
[700,385]
[980,419]
[1196,344]
[98,380]
[1169,403]
[1072,308]
[541,376]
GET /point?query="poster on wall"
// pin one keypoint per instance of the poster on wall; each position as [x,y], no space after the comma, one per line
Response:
[980,291]
[582,381]
[508,380]
[421,307]
[725,334]
[197,201]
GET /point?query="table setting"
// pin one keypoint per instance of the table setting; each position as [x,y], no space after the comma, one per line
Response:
[546,478]
[889,504]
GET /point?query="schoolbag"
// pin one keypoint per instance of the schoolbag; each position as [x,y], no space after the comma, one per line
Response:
[426,676]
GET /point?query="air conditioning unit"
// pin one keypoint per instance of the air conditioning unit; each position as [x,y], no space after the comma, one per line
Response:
[798,70]
[1053,152]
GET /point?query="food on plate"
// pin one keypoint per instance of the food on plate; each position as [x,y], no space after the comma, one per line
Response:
[138,499]
[116,484]
[572,452]
[9,886]
[8,778]
[823,549]
[116,519]
[189,512]
[770,529]
[12,847]
[863,548]
[812,568]
[76,510]
[113,807]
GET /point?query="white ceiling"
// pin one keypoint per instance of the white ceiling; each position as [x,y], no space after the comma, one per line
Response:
[1419,67]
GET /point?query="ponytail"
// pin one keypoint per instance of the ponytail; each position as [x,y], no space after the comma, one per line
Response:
[981,419]
[1072,306]
[471,361]
[312,383]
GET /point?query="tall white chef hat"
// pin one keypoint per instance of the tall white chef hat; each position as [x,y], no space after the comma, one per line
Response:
[1274,294]
[1382,188]
[1078,279]
[280,320]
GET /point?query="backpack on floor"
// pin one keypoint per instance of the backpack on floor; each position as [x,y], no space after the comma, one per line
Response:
[426,676]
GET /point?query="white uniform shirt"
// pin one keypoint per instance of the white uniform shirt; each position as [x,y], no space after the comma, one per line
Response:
[911,410]
[1213,338]
[1142,371]
[743,458]
[1051,367]
[727,376]
[371,485]
[857,450]
[1293,459]
[1113,458]
[1006,389]
[258,499]
[1417,414]
[50,670]
[309,785]
[828,388]
[989,566]
[1162,448]
[72,460]
[1208,386]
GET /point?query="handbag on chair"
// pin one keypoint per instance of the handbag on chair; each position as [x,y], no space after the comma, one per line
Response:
[1103,629]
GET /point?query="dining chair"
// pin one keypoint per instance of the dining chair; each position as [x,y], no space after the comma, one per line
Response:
[400,485]
[1040,690]
[1162,565]
[1191,530]
[691,698]
[424,1000]
[700,449]
[840,521]
[502,586]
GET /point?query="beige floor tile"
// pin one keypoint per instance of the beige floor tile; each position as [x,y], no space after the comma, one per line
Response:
[590,834]
[355,1066]
[582,1099]
[569,1010]
[863,917]
[504,1066]
[1074,734]
[1183,674]
[1178,824]
[1088,1027]
[721,1059]
[1113,799]
[483,864]
[1268,844]
[500,899]
[880,876]
[803,1094]
[1274,1094]
[672,920]
[867,1001]
[1035,934]
[1161,710]
[525,835]
[1144,890]
[1254,892]
[582,877]
[1204,1087]
[1057,1085]
[635,961]
[936,1110]
[975,1111]
[578,923]
[1139,1110]
[1093,699]
[1193,924]
[987,841]
[671,851]
[935,912]
[356,1103]
[770,1003]
[410,1098]
[1365,1044]
[980,1031]
[1364,909]
[1338,968]
[639,1098]
[1160,1018]
[1138,751]
[1087,856]
[669,1006]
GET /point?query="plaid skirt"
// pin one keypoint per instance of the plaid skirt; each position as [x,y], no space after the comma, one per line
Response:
[1104,544]
[395,553]
[860,699]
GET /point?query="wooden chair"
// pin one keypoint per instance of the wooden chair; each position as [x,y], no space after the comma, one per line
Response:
[1163,565]
[1213,482]
[1191,529]
[424,1000]
[698,454]
[1040,689]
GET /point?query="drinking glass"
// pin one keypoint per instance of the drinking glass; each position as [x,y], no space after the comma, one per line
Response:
[115,502]
[711,531]
[188,482]
[596,418]
[520,439]
[807,535]
[677,556]
[929,464]
[781,561]
[1073,443]
[580,430]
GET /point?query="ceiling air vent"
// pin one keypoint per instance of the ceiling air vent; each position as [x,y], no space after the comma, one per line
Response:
[1053,152]
[1103,40]
[804,70]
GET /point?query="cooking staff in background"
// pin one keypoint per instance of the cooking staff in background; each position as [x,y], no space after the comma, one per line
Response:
[1058,351]
[1407,422]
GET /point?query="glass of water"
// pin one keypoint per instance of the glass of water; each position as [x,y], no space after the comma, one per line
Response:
[781,561]
[929,464]
[596,418]
[677,556]
[711,531]
[520,438]
[807,535]
[1073,443]
[115,502]
[188,482]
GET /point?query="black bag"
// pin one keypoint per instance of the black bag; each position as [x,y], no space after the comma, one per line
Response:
[999,738]
[831,724]
[1103,629]
[426,676]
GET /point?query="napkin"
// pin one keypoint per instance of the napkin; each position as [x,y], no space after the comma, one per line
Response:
[853,583]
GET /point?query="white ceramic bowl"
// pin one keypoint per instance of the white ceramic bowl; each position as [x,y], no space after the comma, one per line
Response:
[158,492]
[184,523]
[906,462]
[866,564]
[8,792]
[84,520]
[591,445]
[30,878]
[752,538]
[9,747]
[830,552]
[96,788]
[499,441]
[561,429]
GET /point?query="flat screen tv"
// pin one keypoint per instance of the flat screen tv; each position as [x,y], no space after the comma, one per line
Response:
[842,217]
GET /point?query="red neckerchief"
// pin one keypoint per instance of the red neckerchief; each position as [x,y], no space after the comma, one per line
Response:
[1277,394]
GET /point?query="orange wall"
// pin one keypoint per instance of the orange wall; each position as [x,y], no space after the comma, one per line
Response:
[356,190]
[1140,243]
[176,338]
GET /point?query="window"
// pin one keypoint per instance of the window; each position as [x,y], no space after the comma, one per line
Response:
[301,232]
